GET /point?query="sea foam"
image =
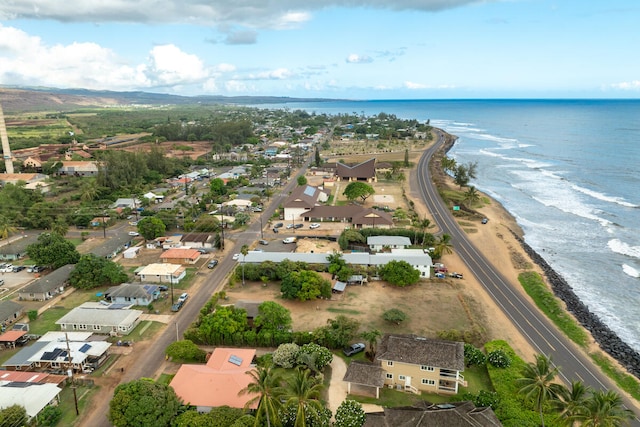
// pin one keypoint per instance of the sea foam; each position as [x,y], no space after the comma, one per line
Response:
[620,247]
[630,271]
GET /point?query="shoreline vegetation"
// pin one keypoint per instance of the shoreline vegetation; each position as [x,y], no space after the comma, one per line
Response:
[575,319]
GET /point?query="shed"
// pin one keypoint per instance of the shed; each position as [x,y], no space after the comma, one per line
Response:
[131,252]
[339,286]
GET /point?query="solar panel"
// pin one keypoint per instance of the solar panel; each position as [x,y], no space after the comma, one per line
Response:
[53,355]
[235,360]
[85,348]
[309,191]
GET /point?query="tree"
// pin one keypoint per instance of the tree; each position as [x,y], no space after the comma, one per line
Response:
[318,160]
[14,415]
[570,403]
[471,196]
[305,285]
[537,383]
[399,273]
[49,416]
[6,229]
[394,315]
[371,337]
[357,190]
[473,355]
[217,187]
[151,227]
[286,355]
[350,414]
[185,351]
[53,250]
[92,271]
[143,402]
[462,174]
[443,246]
[320,355]
[302,180]
[244,250]
[303,392]
[603,409]
[272,316]
[60,226]
[338,266]
[340,331]
[406,158]
[223,324]
[265,386]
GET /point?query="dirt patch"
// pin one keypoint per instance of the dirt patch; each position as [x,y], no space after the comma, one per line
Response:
[309,245]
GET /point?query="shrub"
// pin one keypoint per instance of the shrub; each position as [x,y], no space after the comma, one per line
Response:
[286,355]
[499,359]
[32,314]
[473,355]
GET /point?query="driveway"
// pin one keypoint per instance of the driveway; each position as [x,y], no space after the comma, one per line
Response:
[338,388]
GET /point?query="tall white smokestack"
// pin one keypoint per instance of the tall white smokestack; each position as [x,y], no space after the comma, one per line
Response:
[6,150]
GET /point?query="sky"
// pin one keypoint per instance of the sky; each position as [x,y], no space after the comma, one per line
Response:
[345,49]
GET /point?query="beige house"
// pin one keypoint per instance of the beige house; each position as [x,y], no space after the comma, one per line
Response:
[417,364]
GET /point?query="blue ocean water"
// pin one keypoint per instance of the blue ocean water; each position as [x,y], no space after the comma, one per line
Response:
[567,170]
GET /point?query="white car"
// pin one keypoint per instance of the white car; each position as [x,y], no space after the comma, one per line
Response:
[183,297]
[235,257]
[134,233]
[289,240]
[314,225]
[7,268]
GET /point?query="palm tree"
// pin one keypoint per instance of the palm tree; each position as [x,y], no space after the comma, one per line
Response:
[444,245]
[303,391]
[244,250]
[537,382]
[5,227]
[89,190]
[471,196]
[266,386]
[424,224]
[60,226]
[570,402]
[604,409]
[372,339]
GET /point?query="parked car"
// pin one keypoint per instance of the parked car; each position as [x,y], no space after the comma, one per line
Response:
[18,268]
[289,226]
[298,226]
[263,242]
[183,297]
[202,250]
[212,263]
[278,225]
[8,268]
[485,220]
[440,275]
[235,257]
[163,288]
[275,230]
[134,233]
[1,284]
[456,275]
[314,225]
[289,240]
[177,306]
[353,349]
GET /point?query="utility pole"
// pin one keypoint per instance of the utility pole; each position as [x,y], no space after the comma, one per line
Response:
[261,228]
[70,374]
[104,224]
[221,230]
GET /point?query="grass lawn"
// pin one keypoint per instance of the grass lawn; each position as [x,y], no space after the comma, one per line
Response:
[393,398]
[477,379]
[145,331]
[165,378]
[47,321]
[111,359]
[67,404]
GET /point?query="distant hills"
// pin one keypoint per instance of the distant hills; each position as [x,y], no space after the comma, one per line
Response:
[25,99]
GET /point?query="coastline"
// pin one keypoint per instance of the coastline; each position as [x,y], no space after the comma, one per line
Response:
[606,339]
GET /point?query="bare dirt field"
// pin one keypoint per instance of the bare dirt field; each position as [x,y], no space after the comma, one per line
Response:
[172,148]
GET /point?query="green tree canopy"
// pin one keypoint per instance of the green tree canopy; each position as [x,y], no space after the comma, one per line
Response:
[53,250]
[394,315]
[350,414]
[92,271]
[359,190]
[302,180]
[185,351]
[399,273]
[143,402]
[151,227]
[14,415]
[272,316]
[305,285]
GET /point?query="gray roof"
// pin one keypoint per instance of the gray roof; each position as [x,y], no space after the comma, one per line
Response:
[112,244]
[366,169]
[100,316]
[131,290]
[417,350]
[55,279]
[355,258]
[251,307]
[22,357]
[388,240]
[9,308]
[364,373]
[197,237]
[454,414]
[19,246]
[305,196]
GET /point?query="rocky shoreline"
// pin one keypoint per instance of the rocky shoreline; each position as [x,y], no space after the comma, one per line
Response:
[608,340]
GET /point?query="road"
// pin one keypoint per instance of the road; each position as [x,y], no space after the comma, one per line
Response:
[533,325]
[147,365]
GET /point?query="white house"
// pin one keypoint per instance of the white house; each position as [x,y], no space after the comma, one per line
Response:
[133,293]
[378,243]
[162,273]
[33,398]
[100,319]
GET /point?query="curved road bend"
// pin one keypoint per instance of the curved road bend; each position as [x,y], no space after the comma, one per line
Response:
[533,325]
[147,365]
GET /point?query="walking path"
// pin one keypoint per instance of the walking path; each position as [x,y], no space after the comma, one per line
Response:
[338,388]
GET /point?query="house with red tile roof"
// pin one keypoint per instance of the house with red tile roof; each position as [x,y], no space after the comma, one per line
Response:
[218,382]
[180,256]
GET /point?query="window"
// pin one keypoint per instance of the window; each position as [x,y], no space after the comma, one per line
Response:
[389,363]
[389,376]
[82,327]
[427,368]
[402,377]
[426,381]
[97,327]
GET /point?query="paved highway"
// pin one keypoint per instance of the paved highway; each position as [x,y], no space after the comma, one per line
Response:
[533,325]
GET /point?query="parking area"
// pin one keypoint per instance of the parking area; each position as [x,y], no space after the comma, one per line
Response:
[16,280]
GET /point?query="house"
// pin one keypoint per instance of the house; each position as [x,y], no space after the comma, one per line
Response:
[32,397]
[416,364]
[48,286]
[100,319]
[33,180]
[218,382]
[12,338]
[378,243]
[302,199]
[132,293]
[198,240]
[154,198]
[251,307]
[114,244]
[357,216]
[131,252]
[365,171]
[17,247]
[10,312]
[180,256]
[32,163]
[425,414]
[126,203]
[78,168]
[162,273]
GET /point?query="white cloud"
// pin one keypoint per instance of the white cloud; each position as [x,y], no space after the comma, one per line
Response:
[418,86]
[632,85]
[277,74]
[168,66]
[279,14]
[354,58]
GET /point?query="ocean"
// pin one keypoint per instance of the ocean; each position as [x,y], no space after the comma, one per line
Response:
[567,170]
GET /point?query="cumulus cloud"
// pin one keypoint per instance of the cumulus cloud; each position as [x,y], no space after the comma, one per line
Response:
[277,74]
[252,13]
[632,85]
[354,58]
